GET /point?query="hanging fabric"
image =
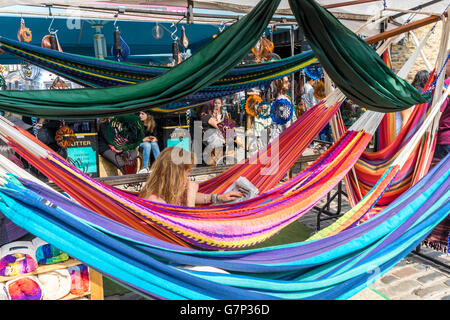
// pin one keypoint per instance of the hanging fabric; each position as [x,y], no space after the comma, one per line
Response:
[120,50]
[202,69]
[351,63]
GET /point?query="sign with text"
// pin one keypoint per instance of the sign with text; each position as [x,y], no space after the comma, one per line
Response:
[82,154]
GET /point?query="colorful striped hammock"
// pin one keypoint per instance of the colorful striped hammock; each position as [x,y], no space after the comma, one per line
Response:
[372,203]
[99,73]
[96,73]
[201,70]
[336,267]
[416,157]
[224,226]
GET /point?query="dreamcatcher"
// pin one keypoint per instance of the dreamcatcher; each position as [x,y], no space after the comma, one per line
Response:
[319,90]
[65,137]
[263,49]
[251,103]
[281,111]
[314,71]
[263,109]
[58,84]
[50,41]
[29,72]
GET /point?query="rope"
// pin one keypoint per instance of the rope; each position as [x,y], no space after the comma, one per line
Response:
[433,85]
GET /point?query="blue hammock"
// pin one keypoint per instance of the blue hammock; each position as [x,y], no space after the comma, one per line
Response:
[336,267]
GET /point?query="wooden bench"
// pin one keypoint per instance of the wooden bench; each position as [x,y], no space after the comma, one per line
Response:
[115,180]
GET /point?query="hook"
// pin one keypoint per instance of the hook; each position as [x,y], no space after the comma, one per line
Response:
[116,16]
[50,30]
[172,35]
[222,26]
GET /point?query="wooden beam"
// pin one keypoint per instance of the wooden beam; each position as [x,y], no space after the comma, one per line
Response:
[416,8]
[403,29]
[347,3]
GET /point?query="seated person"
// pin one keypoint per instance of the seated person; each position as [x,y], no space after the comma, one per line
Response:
[150,143]
[168,181]
[125,161]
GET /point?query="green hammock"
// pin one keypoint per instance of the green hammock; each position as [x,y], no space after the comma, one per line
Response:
[201,70]
[351,63]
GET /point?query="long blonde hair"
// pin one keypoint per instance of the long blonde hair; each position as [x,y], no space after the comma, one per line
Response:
[167,179]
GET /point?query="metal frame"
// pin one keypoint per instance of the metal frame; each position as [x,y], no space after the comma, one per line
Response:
[325,209]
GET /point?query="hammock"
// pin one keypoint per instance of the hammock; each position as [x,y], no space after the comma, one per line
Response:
[100,73]
[355,68]
[92,72]
[359,72]
[383,192]
[225,226]
[399,165]
[336,267]
[202,69]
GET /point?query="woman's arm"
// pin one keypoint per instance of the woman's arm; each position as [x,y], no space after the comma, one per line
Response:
[194,197]
[213,122]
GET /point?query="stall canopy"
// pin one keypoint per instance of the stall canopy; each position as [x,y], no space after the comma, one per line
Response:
[137,19]
[352,12]
[78,36]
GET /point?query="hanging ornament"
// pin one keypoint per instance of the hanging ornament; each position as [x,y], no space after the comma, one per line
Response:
[267,48]
[125,132]
[24,33]
[314,71]
[184,41]
[65,137]
[58,84]
[176,53]
[225,125]
[263,109]
[251,103]
[263,50]
[257,51]
[319,90]
[120,50]
[281,111]
[29,72]
[157,31]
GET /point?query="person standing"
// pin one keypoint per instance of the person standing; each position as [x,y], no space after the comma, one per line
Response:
[308,95]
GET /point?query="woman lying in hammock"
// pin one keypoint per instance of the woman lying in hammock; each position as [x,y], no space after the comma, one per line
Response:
[168,181]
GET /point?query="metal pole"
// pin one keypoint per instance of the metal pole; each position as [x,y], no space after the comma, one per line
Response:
[292,40]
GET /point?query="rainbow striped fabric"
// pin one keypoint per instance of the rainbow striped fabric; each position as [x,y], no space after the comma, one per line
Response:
[225,226]
[336,267]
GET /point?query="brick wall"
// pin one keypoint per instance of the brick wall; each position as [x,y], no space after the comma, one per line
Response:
[401,52]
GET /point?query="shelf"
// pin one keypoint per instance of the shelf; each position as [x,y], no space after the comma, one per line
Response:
[95,278]
[43,269]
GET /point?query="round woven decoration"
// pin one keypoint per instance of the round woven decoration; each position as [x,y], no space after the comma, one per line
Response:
[65,137]
[251,103]
[281,111]
[319,91]
[125,132]
[263,109]
[314,71]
